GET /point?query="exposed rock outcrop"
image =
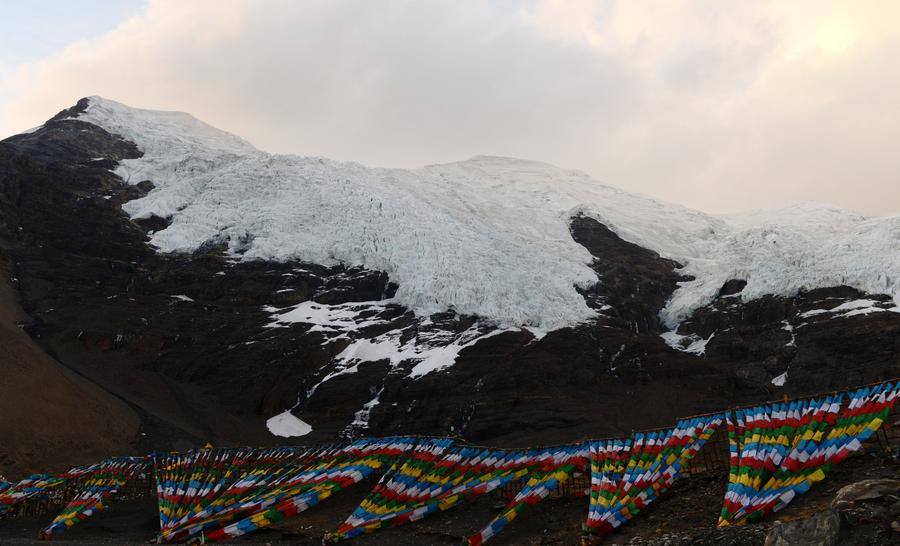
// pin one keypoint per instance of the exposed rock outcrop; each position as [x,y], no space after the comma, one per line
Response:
[822,529]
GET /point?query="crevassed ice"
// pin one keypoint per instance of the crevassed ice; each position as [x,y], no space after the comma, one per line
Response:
[488,236]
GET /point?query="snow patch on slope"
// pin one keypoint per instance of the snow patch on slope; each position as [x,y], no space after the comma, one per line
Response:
[431,355]
[789,328]
[853,308]
[691,343]
[486,237]
[287,425]
[342,318]
[780,380]
[361,417]
[426,349]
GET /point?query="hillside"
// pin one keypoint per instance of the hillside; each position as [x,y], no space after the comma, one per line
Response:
[202,287]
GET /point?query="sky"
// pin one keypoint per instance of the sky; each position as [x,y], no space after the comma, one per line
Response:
[719,105]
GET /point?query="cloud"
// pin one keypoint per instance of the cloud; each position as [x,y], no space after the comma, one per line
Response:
[721,106]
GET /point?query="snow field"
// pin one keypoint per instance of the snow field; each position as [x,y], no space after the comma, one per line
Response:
[488,236]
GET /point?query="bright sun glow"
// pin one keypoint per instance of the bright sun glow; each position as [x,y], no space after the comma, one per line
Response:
[834,36]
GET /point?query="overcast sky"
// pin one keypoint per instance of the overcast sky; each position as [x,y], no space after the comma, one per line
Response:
[719,105]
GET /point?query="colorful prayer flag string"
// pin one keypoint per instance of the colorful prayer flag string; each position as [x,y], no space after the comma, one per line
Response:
[301,484]
[778,452]
[100,484]
[419,488]
[557,466]
[627,475]
[38,485]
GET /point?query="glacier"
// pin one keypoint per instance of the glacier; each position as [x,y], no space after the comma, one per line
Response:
[488,236]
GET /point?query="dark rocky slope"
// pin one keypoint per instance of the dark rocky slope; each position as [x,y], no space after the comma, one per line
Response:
[49,415]
[103,304]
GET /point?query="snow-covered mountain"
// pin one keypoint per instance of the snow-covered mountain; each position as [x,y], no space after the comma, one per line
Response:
[202,287]
[487,237]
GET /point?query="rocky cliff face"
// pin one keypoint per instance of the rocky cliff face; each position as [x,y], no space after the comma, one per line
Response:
[203,347]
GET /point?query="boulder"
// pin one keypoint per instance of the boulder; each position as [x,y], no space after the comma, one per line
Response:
[822,529]
[864,491]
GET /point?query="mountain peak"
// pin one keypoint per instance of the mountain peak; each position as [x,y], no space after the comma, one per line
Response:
[488,236]
[161,132]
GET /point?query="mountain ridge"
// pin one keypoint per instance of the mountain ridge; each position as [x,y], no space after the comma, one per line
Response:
[483,228]
[209,343]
